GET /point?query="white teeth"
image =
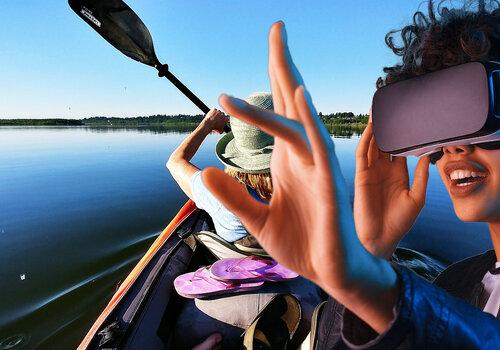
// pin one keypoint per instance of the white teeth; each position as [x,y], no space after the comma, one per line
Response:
[462,174]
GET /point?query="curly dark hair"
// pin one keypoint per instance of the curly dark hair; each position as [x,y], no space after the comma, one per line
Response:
[445,37]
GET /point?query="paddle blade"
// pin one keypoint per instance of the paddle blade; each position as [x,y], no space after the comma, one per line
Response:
[120,26]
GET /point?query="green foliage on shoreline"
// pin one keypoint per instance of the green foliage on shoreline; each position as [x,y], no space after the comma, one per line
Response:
[40,122]
[153,120]
[179,120]
[345,130]
[344,118]
[343,124]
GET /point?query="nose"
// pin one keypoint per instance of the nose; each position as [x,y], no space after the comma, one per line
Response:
[467,149]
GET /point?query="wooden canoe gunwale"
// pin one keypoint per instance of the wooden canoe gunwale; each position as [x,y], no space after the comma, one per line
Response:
[188,208]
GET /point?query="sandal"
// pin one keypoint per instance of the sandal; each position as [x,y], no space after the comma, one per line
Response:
[200,284]
[250,269]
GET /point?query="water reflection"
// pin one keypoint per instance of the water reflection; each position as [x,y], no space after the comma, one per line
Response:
[339,131]
[80,205]
[178,129]
[345,131]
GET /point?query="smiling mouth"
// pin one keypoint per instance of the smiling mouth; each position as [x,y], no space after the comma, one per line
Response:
[465,178]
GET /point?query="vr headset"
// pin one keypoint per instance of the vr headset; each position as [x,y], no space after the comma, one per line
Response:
[451,107]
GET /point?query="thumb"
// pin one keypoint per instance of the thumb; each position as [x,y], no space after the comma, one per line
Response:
[236,199]
[419,186]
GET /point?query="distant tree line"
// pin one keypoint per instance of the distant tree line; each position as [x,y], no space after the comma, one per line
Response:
[343,118]
[41,122]
[157,119]
[178,121]
[345,130]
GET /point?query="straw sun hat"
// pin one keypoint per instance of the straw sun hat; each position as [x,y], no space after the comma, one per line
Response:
[246,148]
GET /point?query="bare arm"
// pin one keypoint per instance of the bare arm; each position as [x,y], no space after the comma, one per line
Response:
[179,164]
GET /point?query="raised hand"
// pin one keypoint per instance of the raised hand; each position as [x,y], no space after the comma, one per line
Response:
[216,120]
[385,207]
[308,225]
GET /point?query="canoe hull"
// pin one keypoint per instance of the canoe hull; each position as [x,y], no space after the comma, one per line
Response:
[125,286]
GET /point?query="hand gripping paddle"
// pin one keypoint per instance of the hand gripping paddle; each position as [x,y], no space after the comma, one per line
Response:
[116,22]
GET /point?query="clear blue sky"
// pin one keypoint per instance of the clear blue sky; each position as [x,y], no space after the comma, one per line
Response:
[52,64]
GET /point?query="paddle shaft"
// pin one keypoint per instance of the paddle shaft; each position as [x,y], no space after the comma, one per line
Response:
[184,89]
[163,71]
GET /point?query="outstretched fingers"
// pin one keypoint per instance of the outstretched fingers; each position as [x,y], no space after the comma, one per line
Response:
[236,199]
[282,128]
[419,186]
[319,138]
[373,152]
[285,76]
[323,152]
[363,147]
[278,100]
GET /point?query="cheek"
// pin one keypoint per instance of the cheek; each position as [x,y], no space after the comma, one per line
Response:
[493,160]
[494,194]
[443,176]
[485,206]
[482,206]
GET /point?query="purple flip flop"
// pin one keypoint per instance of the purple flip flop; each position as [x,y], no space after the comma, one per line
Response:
[250,269]
[200,284]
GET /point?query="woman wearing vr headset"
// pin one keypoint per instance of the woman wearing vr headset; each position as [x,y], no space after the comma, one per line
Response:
[375,304]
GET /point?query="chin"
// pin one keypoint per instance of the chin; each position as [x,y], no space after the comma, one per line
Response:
[469,216]
[476,211]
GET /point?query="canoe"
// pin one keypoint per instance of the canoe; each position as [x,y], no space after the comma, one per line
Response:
[144,311]
[141,278]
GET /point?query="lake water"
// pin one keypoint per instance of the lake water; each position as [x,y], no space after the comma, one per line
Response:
[79,207]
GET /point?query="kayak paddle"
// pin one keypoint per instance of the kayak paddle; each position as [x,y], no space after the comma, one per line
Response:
[116,22]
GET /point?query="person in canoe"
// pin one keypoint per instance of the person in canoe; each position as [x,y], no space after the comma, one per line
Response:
[373,303]
[246,155]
